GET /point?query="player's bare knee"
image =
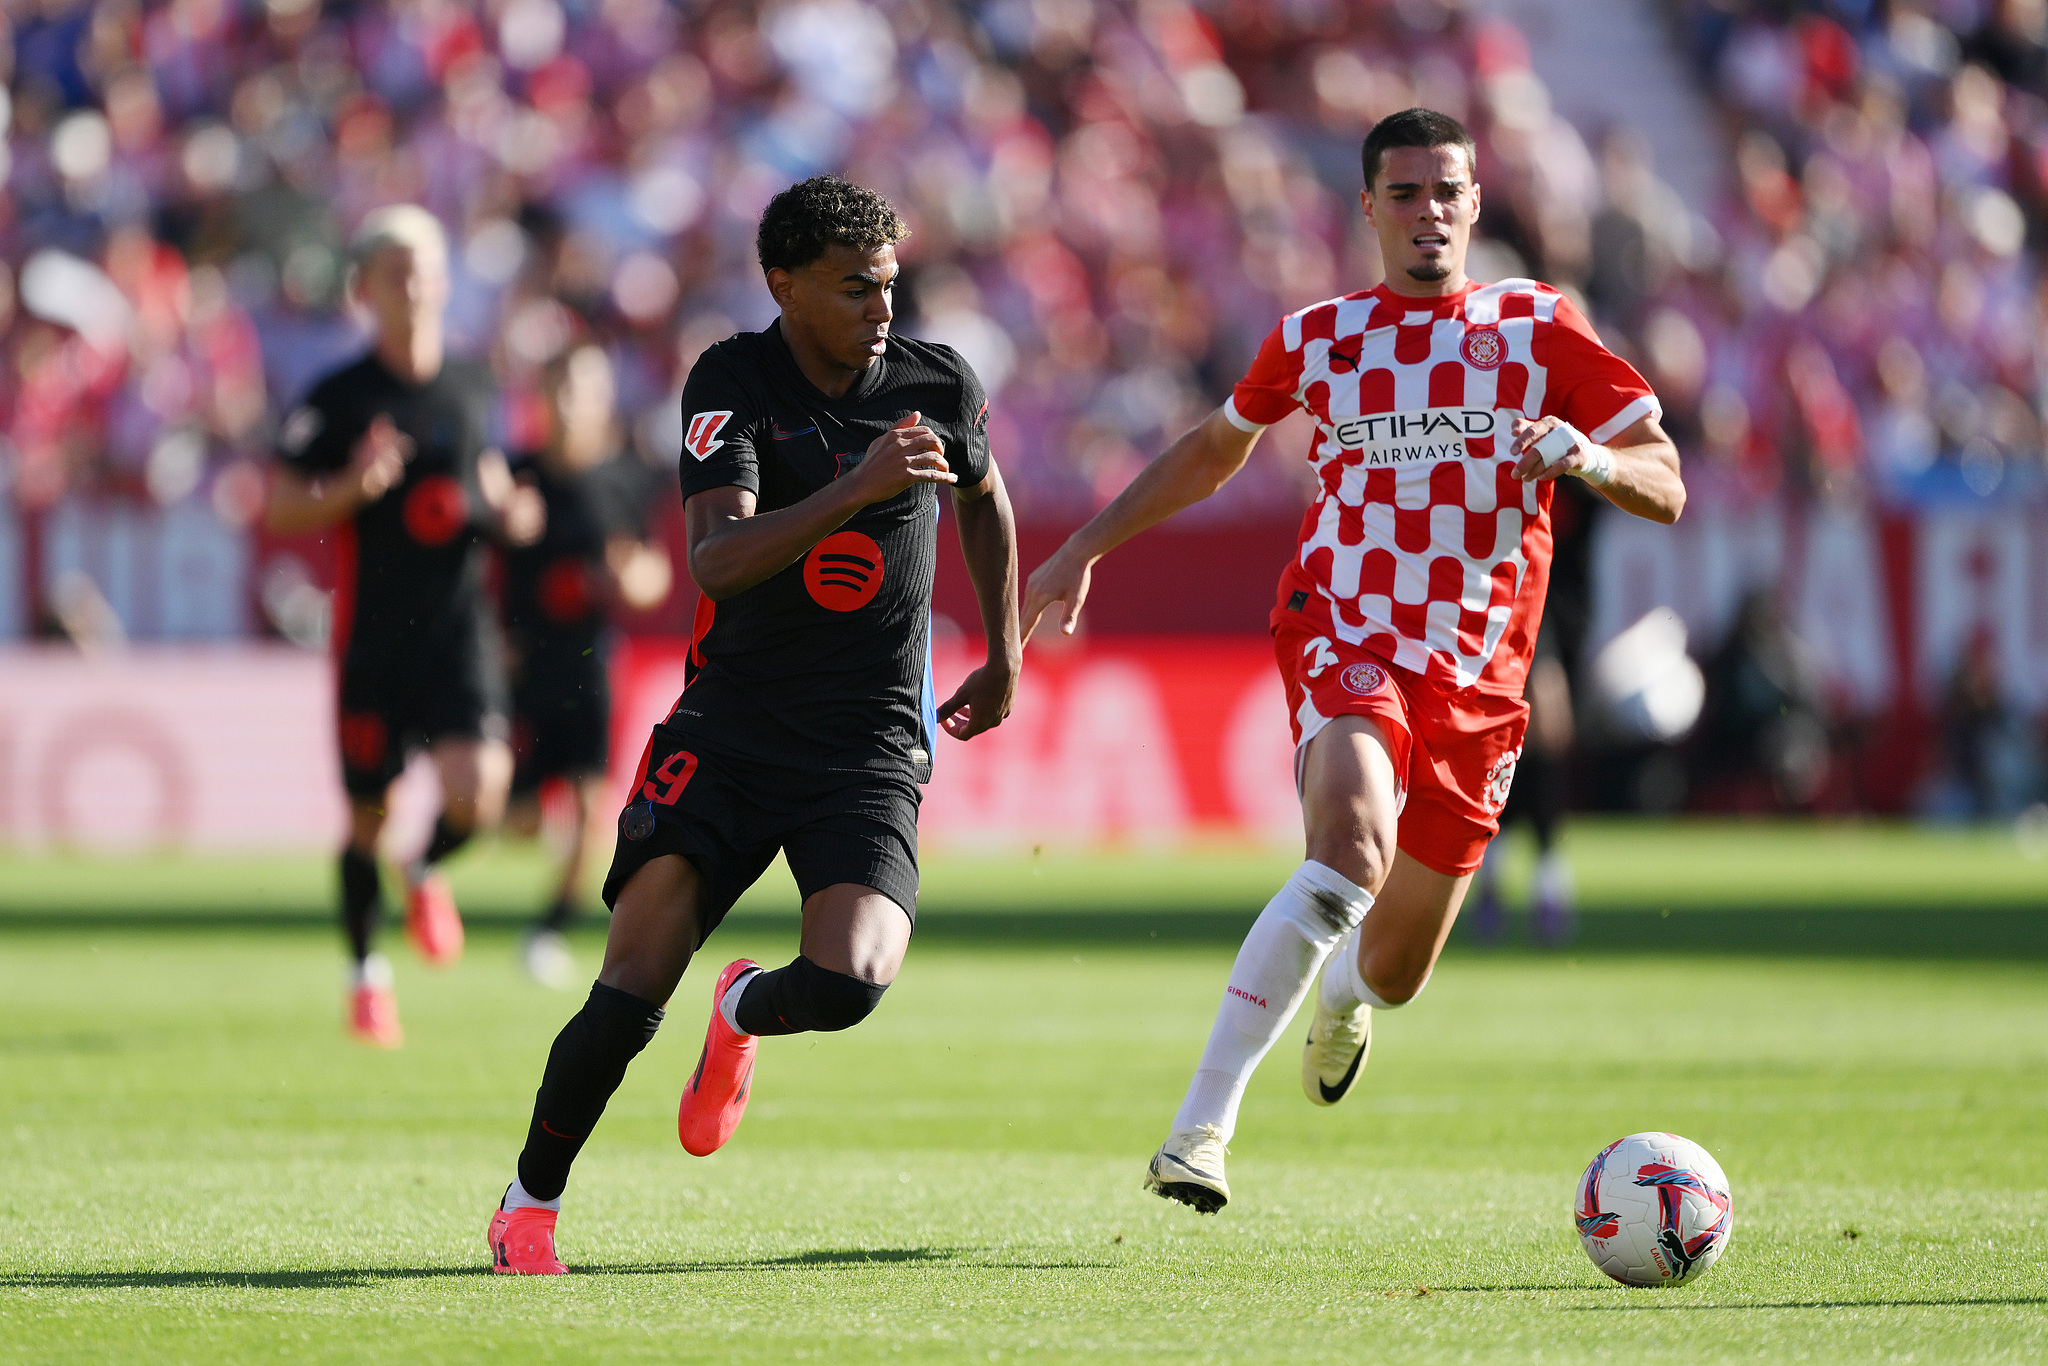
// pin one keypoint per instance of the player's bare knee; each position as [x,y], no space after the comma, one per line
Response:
[877,959]
[1359,849]
[1396,983]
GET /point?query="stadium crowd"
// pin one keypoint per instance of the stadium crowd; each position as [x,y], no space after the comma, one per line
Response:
[1111,202]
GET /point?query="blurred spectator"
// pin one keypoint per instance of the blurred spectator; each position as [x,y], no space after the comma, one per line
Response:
[1888,186]
[1990,761]
[1112,201]
[1761,743]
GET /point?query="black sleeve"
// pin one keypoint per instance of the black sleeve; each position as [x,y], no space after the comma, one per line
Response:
[316,437]
[967,446]
[720,416]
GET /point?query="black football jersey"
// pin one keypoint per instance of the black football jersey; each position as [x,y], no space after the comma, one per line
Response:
[827,664]
[413,560]
[554,589]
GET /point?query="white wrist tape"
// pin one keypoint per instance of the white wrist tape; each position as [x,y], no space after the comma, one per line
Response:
[1562,440]
[1599,466]
[1558,442]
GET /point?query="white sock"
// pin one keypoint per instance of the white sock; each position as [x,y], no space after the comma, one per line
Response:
[729,1004]
[1343,988]
[1314,909]
[374,971]
[517,1198]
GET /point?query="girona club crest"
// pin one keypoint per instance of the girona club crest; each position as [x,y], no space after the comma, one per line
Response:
[1363,679]
[1485,348]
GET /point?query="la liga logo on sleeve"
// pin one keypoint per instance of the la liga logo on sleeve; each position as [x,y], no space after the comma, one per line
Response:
[702,438]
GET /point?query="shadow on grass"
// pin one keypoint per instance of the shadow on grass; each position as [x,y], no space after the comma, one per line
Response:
[336,1278]
[849,1257]
[326,1278]
[2006,934]
[1669,1306]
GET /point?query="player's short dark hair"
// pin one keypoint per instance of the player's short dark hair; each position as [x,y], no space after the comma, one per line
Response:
[804,221]
[1414,128]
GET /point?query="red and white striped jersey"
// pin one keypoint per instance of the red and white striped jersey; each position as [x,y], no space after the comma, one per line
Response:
[1421,545]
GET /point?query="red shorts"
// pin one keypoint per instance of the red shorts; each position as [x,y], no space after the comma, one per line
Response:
[1454,748]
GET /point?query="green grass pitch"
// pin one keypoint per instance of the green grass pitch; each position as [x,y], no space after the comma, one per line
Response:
[1855,1021]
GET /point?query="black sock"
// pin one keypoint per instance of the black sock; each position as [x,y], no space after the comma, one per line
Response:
[558,916]
[447,839]
[585,1066]
[1545,776]
[804,997]
[361,904]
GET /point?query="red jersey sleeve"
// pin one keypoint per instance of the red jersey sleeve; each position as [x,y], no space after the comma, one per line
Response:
[1267,392]
[1590,387]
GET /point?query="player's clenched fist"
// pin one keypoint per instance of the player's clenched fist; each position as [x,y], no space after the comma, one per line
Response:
[378,460]
[1545,448]
[908,453]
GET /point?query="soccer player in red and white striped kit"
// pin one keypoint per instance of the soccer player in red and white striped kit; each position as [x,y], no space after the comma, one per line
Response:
[1404,625]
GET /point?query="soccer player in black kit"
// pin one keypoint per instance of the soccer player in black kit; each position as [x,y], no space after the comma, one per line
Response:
[555,598]
[392,452]
[813,453]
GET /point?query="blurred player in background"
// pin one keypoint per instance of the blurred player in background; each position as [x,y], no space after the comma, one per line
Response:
[555,595]
[392,452]
[812,458]
[1541,794]
[1404,626]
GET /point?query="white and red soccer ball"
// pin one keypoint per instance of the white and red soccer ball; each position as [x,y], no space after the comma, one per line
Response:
[1653,1209]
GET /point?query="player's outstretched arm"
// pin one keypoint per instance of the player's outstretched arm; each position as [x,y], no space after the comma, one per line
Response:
[1637,471]
[732,549]
[1182,475]
[988,541]
[376,462]
[518,512]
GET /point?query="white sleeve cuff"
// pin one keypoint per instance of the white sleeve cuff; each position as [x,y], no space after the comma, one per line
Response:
[1239,420]
[1636,411]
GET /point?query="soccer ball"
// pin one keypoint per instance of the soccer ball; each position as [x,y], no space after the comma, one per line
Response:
[1654,1210]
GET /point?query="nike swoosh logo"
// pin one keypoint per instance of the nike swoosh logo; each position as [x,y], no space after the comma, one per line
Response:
[1333,1094]
[781,435]
[557,1132]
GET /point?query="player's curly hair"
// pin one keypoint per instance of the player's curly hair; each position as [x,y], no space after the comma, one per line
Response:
[807,218]
[1414,128]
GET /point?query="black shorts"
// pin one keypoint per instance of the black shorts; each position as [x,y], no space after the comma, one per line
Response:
[561,722]
[400,694]
[730,818]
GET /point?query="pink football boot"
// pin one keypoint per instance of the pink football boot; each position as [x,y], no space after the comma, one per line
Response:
[716,1096]
[523,1243]
[432,922]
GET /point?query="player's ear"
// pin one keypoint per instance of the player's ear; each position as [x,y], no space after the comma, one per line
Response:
[781,285]
[1365,202]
